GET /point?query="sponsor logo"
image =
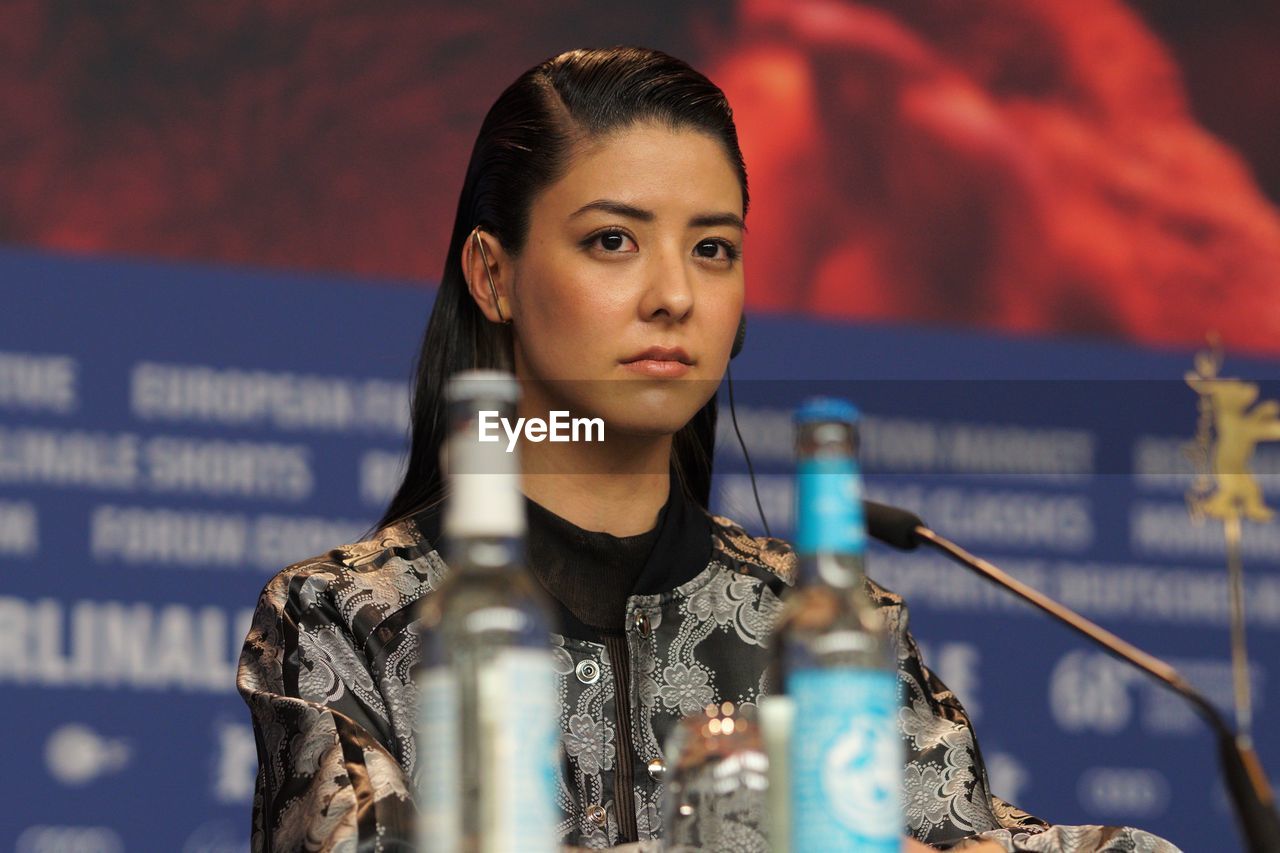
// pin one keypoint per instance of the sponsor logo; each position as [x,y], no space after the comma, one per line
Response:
[1008,777]
[1136,791]
[1089,692]
[236,763]
[216,836]
[76,755]
[69,839]
[119,644]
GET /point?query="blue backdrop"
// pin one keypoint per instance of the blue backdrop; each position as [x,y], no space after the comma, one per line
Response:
[170,436]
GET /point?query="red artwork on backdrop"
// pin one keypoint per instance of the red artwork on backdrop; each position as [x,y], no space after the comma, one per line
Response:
[1013,165]
[1004,164]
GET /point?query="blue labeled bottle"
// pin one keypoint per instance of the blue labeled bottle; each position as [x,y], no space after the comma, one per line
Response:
[844,754]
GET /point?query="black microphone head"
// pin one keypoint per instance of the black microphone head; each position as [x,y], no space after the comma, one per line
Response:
[891,525]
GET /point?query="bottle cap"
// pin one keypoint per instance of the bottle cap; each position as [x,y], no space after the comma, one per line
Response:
[496,385]
[820,409]
[483,475]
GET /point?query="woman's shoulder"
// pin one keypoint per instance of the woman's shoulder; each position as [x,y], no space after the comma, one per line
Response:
[771,554]
[776,556]
[373,578]
[401,539]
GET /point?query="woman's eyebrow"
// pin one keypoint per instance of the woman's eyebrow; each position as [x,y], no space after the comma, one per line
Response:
[621,208]
[710,220]
[617,207]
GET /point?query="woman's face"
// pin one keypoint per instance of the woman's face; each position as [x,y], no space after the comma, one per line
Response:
[638,246]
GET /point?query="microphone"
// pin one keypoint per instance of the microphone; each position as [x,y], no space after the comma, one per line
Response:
[1246,781]
[892,525]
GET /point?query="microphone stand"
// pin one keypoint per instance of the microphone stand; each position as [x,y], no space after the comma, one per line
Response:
[1246,781]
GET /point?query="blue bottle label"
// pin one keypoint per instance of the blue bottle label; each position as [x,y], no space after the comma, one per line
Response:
[518,708]
[846,761]
[829,506]
[439,766]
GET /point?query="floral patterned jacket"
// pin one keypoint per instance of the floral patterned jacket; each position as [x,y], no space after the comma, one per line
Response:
[326,669]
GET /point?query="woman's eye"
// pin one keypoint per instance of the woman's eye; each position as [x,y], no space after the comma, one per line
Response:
[613,241]
[716,250]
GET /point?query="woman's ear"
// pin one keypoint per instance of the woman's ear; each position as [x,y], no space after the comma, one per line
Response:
[486,266]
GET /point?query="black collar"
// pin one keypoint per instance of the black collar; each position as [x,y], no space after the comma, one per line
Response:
[590,574]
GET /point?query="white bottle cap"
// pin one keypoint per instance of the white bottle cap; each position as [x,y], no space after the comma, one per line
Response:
[483,477]
[493,385]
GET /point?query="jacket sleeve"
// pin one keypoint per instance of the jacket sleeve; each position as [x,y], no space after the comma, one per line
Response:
[328,776]
[947,799]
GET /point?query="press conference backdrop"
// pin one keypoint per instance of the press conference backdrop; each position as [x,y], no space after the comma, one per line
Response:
[172,435]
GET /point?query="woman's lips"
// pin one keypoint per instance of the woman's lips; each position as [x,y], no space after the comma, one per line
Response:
[661,368]
[660,362]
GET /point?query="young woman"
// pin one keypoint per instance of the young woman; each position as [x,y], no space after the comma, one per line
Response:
[598,255]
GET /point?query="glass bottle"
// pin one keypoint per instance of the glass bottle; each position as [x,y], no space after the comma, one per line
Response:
[832,733]
[715,794]
[488,706]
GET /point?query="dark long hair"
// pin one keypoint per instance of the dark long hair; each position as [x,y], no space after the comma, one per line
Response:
[525,144]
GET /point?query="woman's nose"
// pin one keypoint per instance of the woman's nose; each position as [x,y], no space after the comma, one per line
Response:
[670,289]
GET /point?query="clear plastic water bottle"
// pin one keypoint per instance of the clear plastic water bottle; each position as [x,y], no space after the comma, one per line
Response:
[838,783]
[488,734]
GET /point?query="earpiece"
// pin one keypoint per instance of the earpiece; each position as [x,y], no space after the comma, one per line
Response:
[493,290]
[733,413]
[738,340]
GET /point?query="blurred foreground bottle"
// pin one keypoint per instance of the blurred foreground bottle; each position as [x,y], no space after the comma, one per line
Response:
[832,733]
[488,731]
[715,794]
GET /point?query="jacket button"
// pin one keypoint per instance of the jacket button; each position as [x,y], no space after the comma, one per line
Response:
[597,815]
[641,623]
[657,769]
[588,671]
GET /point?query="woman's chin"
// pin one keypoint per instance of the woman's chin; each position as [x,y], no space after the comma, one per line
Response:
[634,408]
[683,395]
[646,421]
